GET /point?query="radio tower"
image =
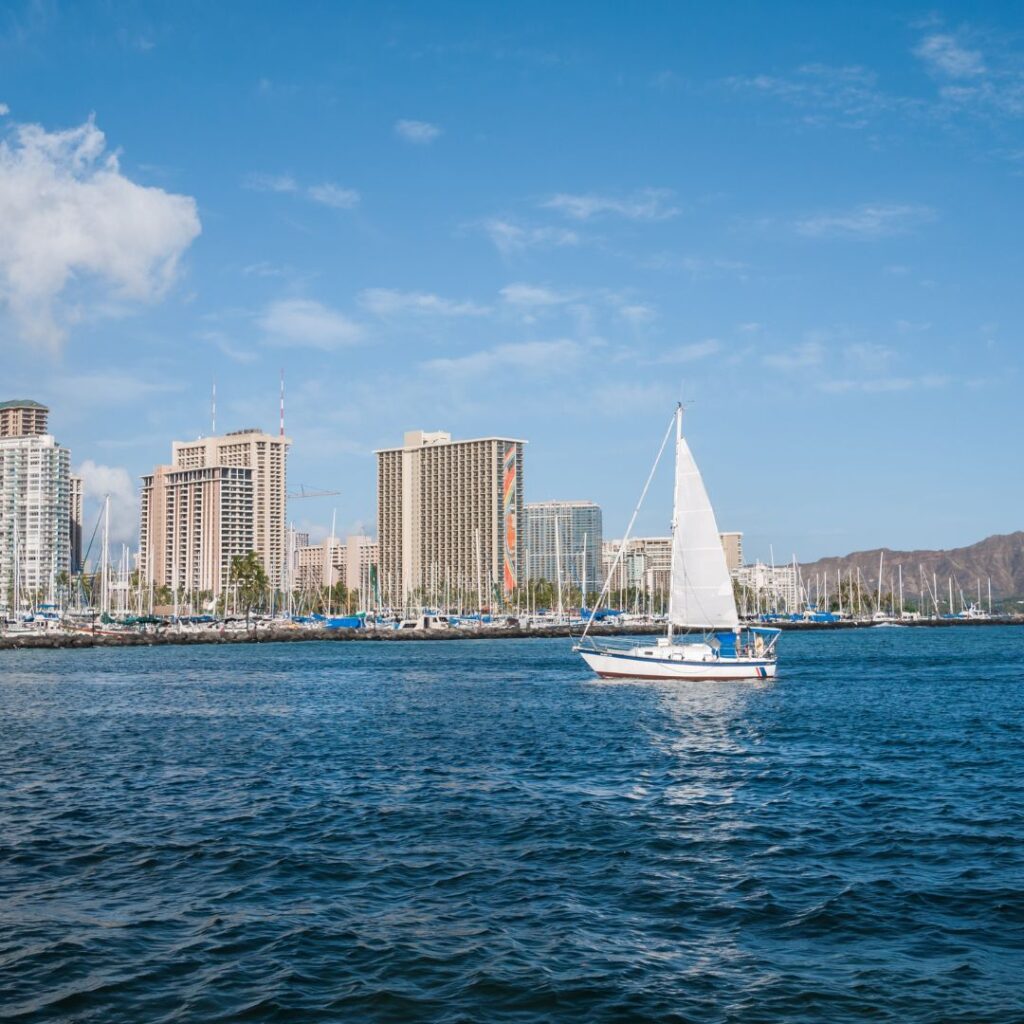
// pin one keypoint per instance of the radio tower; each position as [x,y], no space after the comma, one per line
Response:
[282,403]
[213,410]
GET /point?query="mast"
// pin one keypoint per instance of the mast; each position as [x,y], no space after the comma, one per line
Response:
[558,568]
[675,522]
[105,558]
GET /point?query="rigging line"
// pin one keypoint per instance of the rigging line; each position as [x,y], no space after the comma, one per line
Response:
[629,528]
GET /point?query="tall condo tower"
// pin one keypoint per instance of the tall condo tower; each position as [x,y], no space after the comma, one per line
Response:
[35,505]
[450,519]
[220,497]
[563,543]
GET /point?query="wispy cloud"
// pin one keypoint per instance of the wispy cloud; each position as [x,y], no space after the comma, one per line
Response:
[327,193]
[825,94]
[390,302]
[882,385]
[646,204]
[809,353]
[419,132]
[510,238]
[945,55]
[637,313]
[535,356]
[309,324]
[867,221]
[692,352]
[334,196]
[532,295]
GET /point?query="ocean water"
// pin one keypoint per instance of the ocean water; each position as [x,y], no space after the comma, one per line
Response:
[479,831]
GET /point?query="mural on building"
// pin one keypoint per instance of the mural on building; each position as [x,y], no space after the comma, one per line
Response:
[508,495]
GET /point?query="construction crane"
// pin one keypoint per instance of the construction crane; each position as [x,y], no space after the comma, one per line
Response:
[311,492]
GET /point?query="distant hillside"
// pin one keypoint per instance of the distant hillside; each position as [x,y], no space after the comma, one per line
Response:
[1000,558]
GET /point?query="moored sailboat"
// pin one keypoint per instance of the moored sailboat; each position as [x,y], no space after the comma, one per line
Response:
[705,639]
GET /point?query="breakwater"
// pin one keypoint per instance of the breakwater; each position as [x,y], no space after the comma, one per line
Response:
[263,634]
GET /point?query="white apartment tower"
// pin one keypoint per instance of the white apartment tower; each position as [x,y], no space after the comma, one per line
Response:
[450,519]
[35,500]
[220,497]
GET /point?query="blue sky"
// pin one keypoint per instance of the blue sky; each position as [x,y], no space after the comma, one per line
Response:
[804,219]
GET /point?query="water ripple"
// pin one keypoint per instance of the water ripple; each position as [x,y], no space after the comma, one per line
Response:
[480,832]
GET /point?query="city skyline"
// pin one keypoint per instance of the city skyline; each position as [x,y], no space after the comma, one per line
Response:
[550,231]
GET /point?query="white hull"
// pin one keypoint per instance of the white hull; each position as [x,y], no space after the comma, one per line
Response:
[630,666]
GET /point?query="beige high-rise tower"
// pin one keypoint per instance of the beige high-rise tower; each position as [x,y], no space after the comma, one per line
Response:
[221,497]
[450,519]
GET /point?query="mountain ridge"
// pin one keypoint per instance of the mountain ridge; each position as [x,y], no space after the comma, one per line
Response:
[999,557]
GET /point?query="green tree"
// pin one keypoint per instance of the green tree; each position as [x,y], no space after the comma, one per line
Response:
[250,581]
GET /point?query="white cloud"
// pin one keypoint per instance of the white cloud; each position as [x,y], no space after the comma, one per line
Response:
[944,54]
[647,204]
[97,482]
[4,110]
[532,295]
[810,353]
[326,193]
[535,356]
[826,94]
[333,195]
[509,238]
[869,220]
[390,302]
[883,385]
[305,323]
[70,215]
[692,352]
[271,182]
[421,132]
[109,388]
[637,313]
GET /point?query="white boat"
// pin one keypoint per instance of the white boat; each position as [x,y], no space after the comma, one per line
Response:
[700,601]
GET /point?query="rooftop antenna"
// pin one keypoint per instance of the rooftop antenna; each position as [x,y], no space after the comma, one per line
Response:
[213,410]
[282,402]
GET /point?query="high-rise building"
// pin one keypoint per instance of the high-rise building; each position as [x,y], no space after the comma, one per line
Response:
[221,497]
[35,498]
[22,418]
[767,588]
[732,545]
[450,519]
[564,542]
[76,515]
[646,564]
[334,561]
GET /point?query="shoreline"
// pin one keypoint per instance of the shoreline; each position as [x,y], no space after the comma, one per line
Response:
[275,634]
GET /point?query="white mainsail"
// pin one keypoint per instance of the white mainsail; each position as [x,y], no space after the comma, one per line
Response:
[701,594]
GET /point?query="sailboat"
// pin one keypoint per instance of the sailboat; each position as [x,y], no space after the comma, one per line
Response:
[705,640]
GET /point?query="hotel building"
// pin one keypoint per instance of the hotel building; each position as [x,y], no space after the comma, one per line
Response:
[646,564]
[35,504]
[220,497]
[563,541]
[347,561]
[450,519]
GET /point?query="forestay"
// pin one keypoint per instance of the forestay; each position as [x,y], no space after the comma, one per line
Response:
[701,594]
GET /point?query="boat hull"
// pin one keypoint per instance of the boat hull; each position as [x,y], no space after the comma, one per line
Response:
[629,666]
